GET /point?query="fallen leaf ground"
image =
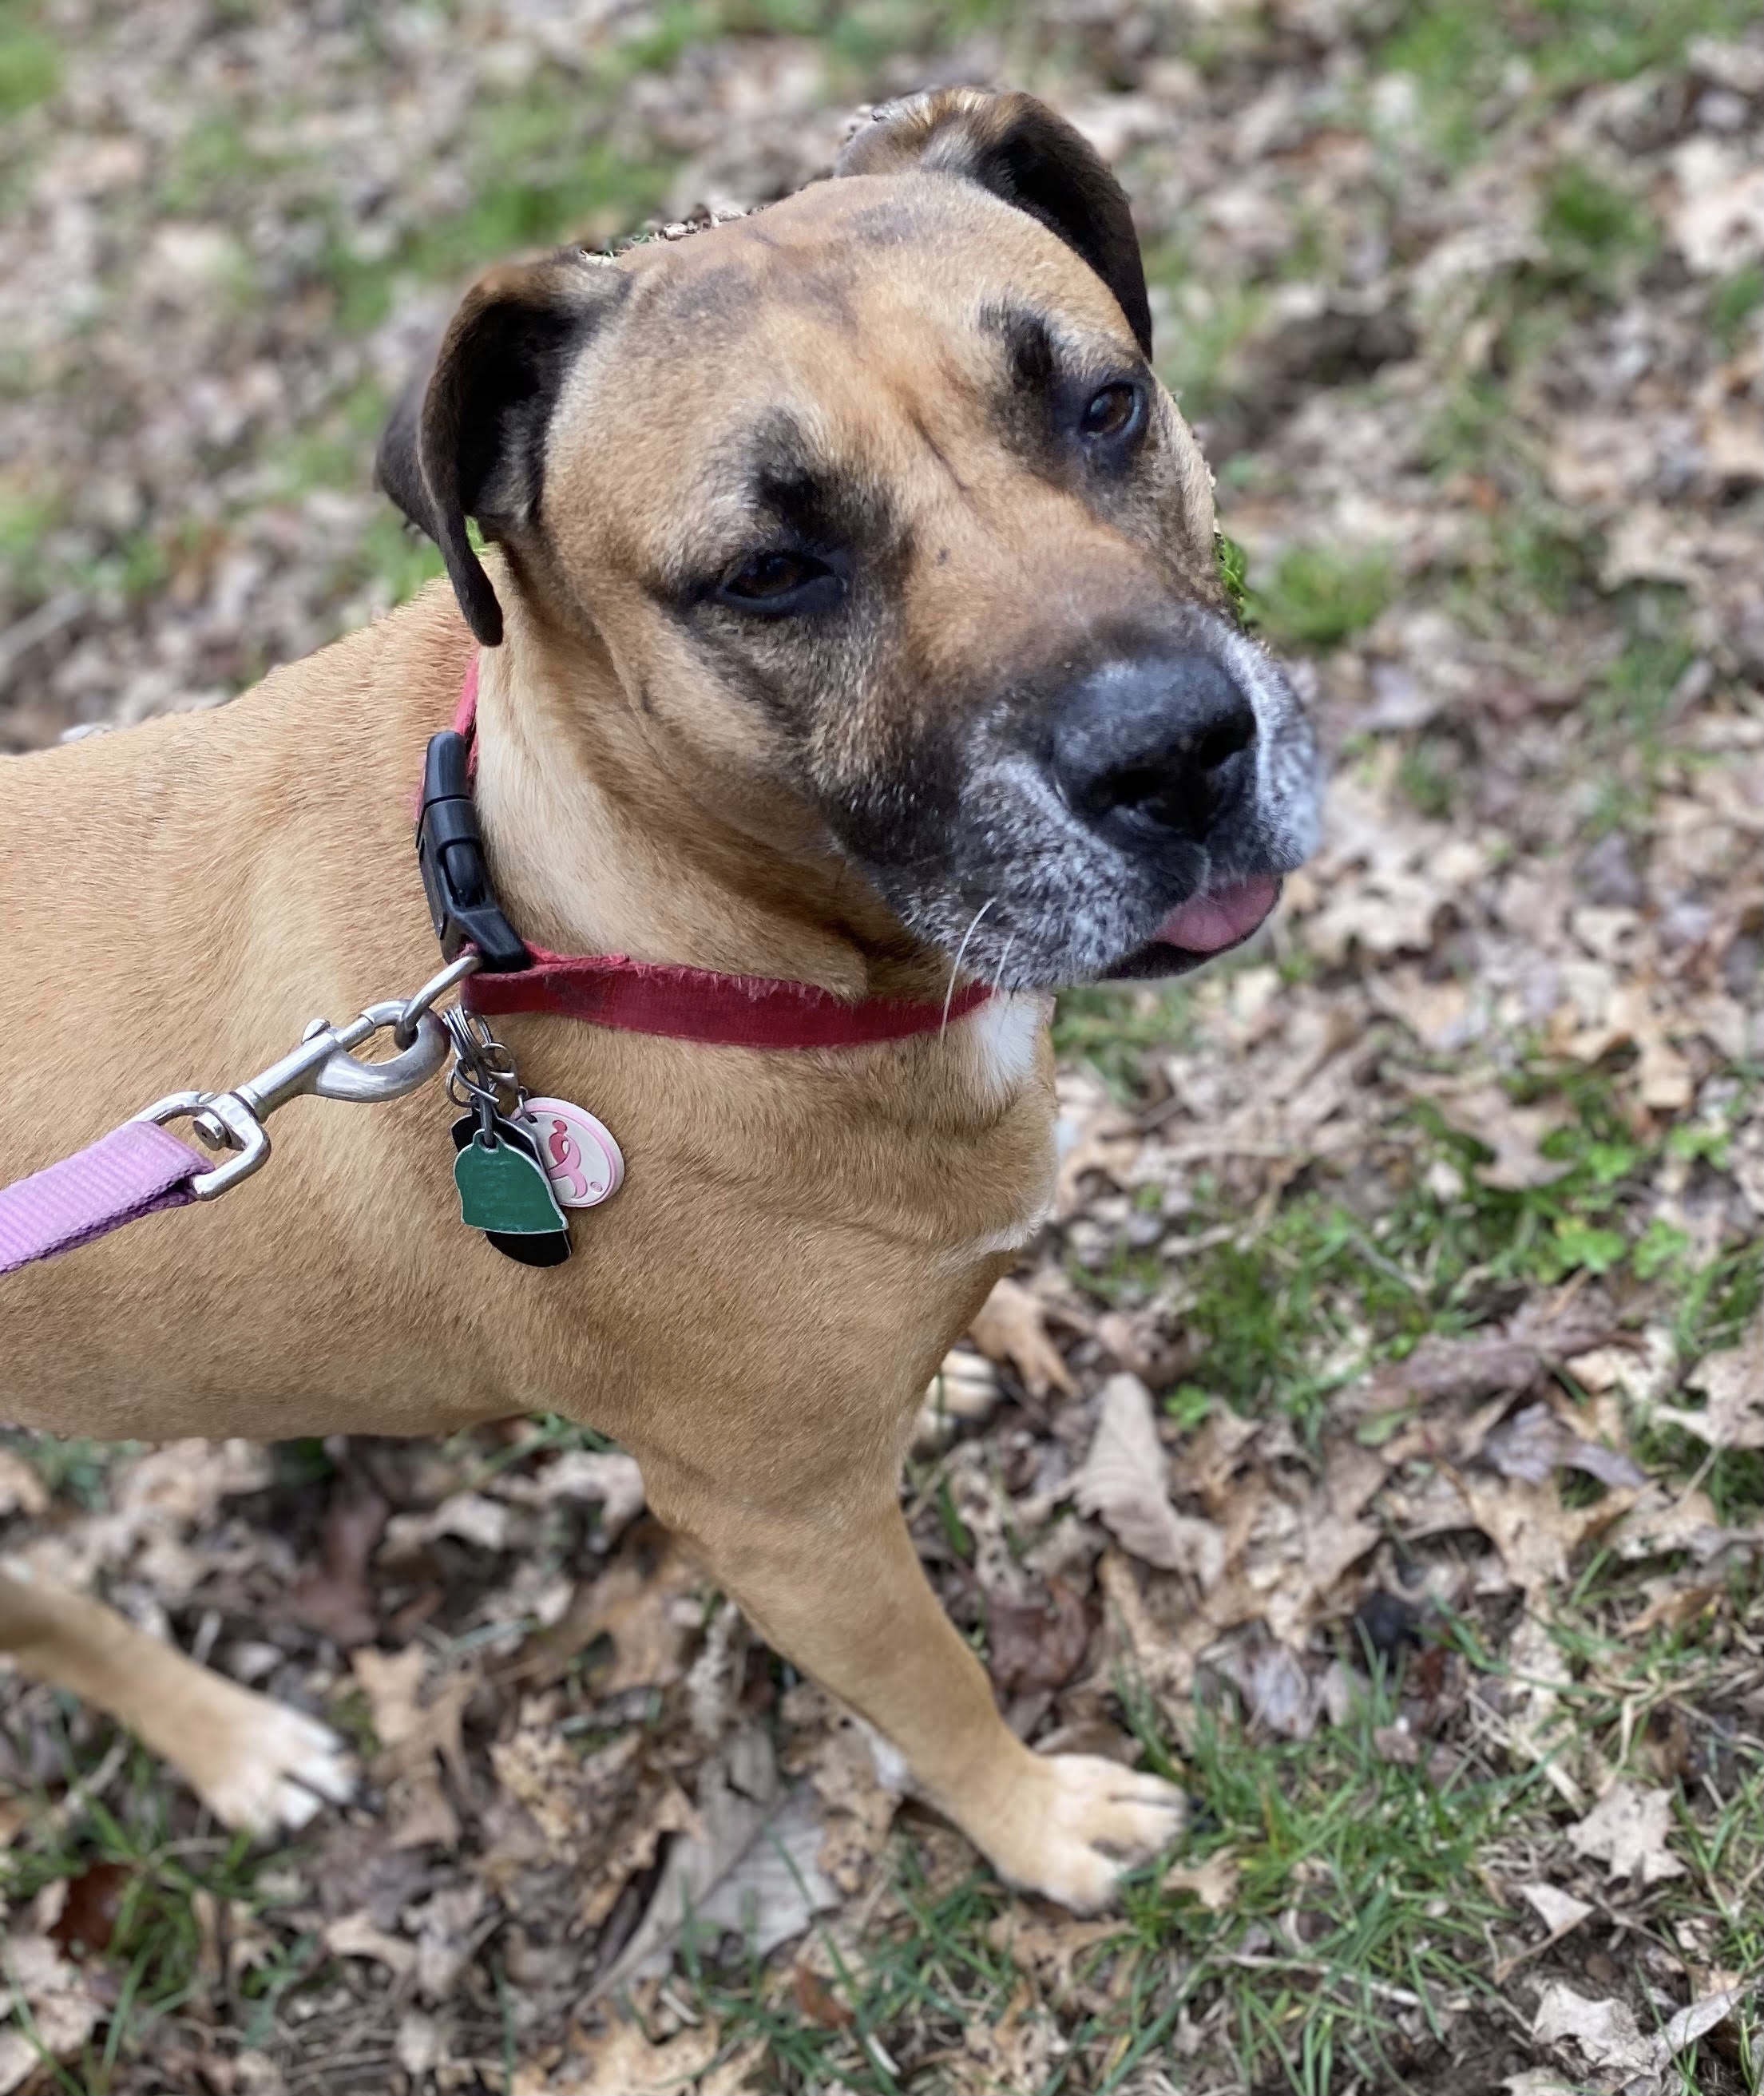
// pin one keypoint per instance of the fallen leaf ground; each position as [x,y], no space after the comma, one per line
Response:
[1375,1440]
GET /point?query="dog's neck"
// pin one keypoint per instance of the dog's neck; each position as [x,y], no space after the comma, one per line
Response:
[597,845]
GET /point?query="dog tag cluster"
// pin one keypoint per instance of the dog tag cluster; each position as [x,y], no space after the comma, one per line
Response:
[516,1172]
[516,1176]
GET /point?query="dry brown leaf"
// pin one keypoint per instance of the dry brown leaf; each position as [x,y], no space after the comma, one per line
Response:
[1699,2018]
[1658,1523]
[1017,2052]
[1608,2035]
[413,1733]
[621,2061]
[1165,1663]
[1094,1135]
[1561,1914]
[1278,1693]
[181,1484]
[636,1602]
[336,1597]
[1559,1911]
[1733,1381]
[1606,2031]
[1011,1327]
[605,1813]
[1513,1133]
[750,1867]
[445,1927]
[1539,1672]
[538,1767]
[1459,1371]
[1048,1948]
[467,1516]
[1527,1446]
[1211,1458]
[844,1760]
[1122,1481]
[64,2009]
[606,1475]
[664,1811]
[356,1936]
[1719,224]
[1627,1830]
[1671,1604]
[1037,1643]
[421,2045]
[1536,1534]
[1214,1884]
[21,1490]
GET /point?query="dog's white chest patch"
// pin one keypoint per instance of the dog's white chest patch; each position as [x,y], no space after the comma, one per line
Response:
[1005,1032]
[1004,1037]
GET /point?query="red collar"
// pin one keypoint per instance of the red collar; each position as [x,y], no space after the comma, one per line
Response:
[694,1004]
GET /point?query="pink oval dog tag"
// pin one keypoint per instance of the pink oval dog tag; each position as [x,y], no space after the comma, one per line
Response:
[581,1161]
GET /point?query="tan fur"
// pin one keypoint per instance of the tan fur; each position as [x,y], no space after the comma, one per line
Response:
[799,1236]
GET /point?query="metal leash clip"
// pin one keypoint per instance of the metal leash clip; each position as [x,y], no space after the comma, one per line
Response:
[323,1065]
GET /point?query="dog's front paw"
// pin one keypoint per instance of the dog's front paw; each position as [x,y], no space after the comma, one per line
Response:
[259,1765]
[1078,1822]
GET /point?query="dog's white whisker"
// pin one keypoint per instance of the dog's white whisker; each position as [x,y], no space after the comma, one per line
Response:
[955,966]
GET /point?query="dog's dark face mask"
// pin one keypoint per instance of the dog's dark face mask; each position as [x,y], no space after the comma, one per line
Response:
[886,525]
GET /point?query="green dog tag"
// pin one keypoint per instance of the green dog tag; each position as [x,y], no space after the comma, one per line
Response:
[502,1188]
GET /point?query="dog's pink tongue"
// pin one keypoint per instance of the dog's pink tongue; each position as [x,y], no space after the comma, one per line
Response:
[1209,923]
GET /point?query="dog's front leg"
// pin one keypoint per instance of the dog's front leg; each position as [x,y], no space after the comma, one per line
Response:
[835,1586]
[255,1763]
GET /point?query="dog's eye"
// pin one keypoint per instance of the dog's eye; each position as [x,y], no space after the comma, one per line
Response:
[1114,412]
[781,585]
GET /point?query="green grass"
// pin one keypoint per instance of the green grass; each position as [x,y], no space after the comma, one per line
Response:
[213,165]
[1283,1314]
[1233,572]
[1462,53]
[1360,1896]
[156,1955]
[1111,1031]
[1428,773]
[1733,302]
[1596,234]
[77,1468]
[855,38]
[1319,596]
[30,63]
[1202,340]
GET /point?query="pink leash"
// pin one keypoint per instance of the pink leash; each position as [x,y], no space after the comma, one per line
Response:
[136,1170]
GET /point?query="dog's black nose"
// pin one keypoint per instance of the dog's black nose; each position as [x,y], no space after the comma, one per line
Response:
[1160,745]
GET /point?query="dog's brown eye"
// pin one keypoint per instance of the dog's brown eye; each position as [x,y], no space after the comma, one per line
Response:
[1112,412]
[771,575]
[781,584]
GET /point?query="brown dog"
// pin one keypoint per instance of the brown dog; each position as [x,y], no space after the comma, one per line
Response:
[854,620]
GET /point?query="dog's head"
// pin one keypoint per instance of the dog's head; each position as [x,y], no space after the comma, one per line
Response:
[878,511]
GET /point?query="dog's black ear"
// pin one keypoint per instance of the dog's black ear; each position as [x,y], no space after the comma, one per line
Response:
[467,438]
[1019,149]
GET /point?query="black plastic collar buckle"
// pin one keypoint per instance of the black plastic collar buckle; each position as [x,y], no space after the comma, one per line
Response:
[450,851]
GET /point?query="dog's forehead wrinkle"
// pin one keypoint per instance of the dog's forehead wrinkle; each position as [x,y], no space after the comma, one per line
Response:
[1028,343]
[717,300]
